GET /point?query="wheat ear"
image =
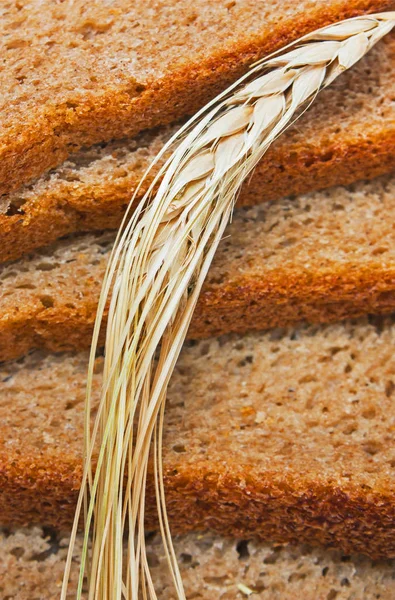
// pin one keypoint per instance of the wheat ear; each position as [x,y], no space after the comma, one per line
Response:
[157,268]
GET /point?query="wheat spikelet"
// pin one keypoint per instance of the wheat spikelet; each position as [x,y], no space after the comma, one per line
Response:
[155,274]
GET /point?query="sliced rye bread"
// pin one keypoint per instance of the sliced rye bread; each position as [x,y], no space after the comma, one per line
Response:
[78,73]
[213,568]
[348,134]
[284,436]
[321,257]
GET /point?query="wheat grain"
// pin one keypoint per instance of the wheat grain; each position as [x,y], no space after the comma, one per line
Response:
[157,267]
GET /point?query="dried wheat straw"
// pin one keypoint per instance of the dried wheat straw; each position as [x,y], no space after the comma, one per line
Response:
[156,271]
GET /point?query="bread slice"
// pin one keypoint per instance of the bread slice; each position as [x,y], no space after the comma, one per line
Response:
[348,134]
[79,73]
[287,436]
[32,563]
[319,258]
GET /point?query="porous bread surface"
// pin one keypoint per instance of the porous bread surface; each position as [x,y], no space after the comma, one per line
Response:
[319,257]
[287,436]
[348,134]
[78,73]
[32,563]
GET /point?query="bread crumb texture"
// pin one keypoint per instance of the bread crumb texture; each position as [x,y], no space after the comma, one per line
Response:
[317,258]
[348,134]
[287,436]
[79,73]
[32,563]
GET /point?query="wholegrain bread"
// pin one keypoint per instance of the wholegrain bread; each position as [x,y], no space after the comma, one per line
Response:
[320,257]
[32,563]
[78,73]
[348,134]
[286,436]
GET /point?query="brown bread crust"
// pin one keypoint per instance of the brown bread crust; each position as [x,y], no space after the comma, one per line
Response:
[227,499]
[286,297]
[28,149]
[279,299]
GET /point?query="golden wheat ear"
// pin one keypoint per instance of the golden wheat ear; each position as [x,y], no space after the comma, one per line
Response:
[156,271]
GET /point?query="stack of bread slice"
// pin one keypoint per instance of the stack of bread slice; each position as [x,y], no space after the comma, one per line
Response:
[280,427]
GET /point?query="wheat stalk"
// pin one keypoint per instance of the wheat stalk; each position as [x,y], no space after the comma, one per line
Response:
[156,271]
